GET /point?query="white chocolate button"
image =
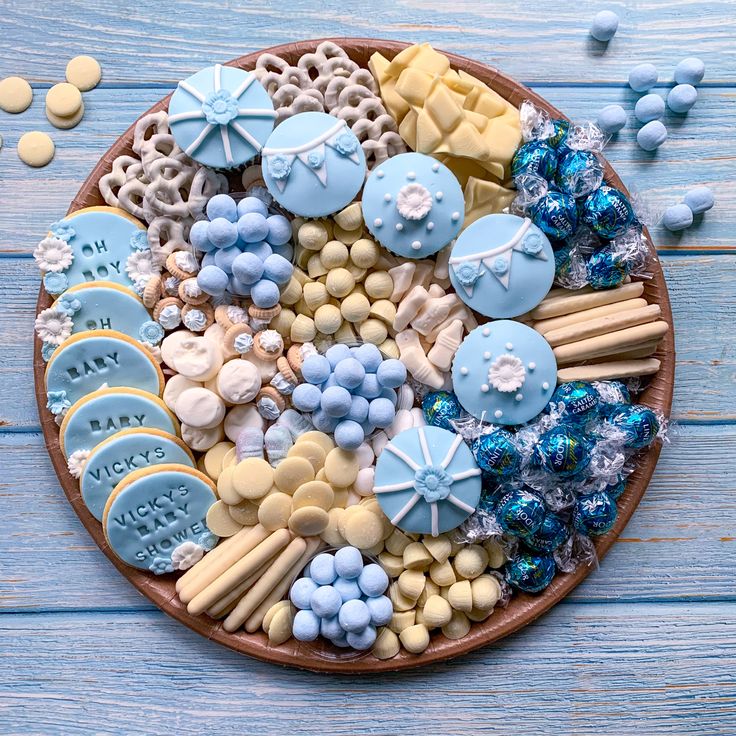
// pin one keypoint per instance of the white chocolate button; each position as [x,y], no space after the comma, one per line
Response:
[240,417]
[63,99]
[174,388]
[314,493]
[201,439]
[16,94]
[220,522]
[308,521]
[239,381]
[341,467]
[200,408]
[197,358]
[292,472]
[171,343]
[274,511]
[213,458]
[253,478]
[65,122]
[83,72]
[35,149]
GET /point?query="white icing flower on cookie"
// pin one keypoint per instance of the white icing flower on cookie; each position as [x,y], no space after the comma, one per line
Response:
[53,254]
[271,341]
[52,326]
[186,261]
[413,201]
[171,284]
[507,373]
[76,462]
[195,320]
[170,317]
[237,315]
[186,555]
[191,289]
[139,267]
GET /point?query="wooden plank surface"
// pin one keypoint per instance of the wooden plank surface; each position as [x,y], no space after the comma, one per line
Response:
[645,645]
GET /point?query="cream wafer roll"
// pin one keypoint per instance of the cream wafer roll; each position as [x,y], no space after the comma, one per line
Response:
[228,602]
[609,371]
[576,302]
[555,323]
[641,351]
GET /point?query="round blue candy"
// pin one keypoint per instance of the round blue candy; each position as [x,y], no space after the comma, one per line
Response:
[690,71]
[325,601]
[263,250]
[348,562]
[222,205]
[606,268]
[369,387]
[594,514]
[349,590]
[305,626]
[247,268]
[373,580]
[198,236]
[643,77]
[330,628]
[336,353]
[391,373]
[497,454]
[390,394]
[605,25]
[555,214]
[648,108]
[607,211]
[279,230]
[238,287]
[576,401]
[306,397]
[381,412]
[652,135]
[324,422]
[316,369]
[639,423]
[208,259]
[362,640]
[277,269]
[252,204]
[336,401]
[611,119]
[681,98]
[616,490]
[562,451]
[265,294]
[535,157]
[222,233]
[285,251]
[381,610]
[579,173]
[252,227]
[367,428]
[530,572]
[354,615]
[699,200]
[369,355]
[358,409]
[350,435]
[212,280]
[677,217]
[550,535]
[322,569]
[301,592]
[349,373]
[225,257]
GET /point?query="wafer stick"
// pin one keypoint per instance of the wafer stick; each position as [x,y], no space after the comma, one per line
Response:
[603,325]
[555,323]
[223,562]
[608,371]
[255,620]
[265,584]
[641,351]
[241,570]
[558,305]
[610,344]
[228,601]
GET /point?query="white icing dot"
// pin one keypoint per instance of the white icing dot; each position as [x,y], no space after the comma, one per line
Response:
[545,386]
[430,226]
[387,197]
[399,226]
[411,176]
[435,167]
[484,388]
[509,346]
[377,222]
[455,216]
[464,371]
[486,355]
[438,196]
[416,245]
[498,413]
[486,331]
[380,173]
[532,365]
[519,397]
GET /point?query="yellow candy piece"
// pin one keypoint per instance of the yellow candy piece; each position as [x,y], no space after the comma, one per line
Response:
[245,513]
[320,438]
[311,451]
[83,72]
[363,530]
[331,533]
[439,547]
[334,254]
[213,459]
[415,639]
[268,616]
[16,94]
[392,564]
[219,521]
[460,596]
[437,612]
[399,600]
[274,511]
[253,478]
[457,627]
[327,319]
[35,149]
[411,583]
[291,473]
[309,521]
[280,626]
[402,620]
[314,493]
[471,561]
[442,573]
[355,307]
[340,282]
[486,592]
[387,645]
[63,99]
[417,557]
[226,488]
[341,467]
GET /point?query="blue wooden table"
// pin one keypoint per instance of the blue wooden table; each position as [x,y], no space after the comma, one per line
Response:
[646,645]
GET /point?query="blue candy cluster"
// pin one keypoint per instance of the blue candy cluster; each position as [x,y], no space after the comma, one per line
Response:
[341,599]
[246,250]
[350,391]
[695,202]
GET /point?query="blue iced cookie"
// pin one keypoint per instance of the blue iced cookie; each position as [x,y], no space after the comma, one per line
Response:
[413,205]
[121,454]
[103,305]
[86,361]
[155,515]
[104,413]
[313,164]
[91,244]
[504,372]
[502,265]
[427,481]
[221,116]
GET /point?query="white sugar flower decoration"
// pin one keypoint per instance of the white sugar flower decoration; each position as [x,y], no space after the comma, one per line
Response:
[139,267]
[186,555]
[53,327]
[155,351]
[76,462]
[413,201]
[507,373]
[53,254]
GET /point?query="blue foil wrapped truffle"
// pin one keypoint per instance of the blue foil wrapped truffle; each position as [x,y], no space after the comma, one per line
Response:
[530,572]
[440,408]
[606,268]
[563,451]
[639,423]
[497,454]
[579,173]
[520,512]
[608,212]
[550,535]
[594,514]
[555,214]
[577,401]
[535,157]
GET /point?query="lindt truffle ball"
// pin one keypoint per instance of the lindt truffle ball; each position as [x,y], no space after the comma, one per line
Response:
[535,157]
[639,423]
[562,451]
[530,572]
[555,214]
[576,401]
[579,173]
[608,212]
[616,490]
[594,514]
[497,454]
[520,512]
[550,535]
[561,129]
[606,268]
[440,408]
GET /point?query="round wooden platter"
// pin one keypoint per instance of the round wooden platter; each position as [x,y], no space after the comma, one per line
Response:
[523,608]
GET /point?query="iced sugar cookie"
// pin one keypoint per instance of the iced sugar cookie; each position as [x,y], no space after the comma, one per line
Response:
[84,362]
[94,244]
[502,265]
[154,514]
[413,205]
[103,305]
[313,164]
[102,414]
[123,453]
[427,480]
[504,372]
[221,116]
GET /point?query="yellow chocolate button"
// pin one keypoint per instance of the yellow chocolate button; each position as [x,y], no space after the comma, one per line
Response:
[245,513]
[292,472]
[226,488]
[274,511]
[65,123]
[63,99]
[322,439]
[253,477]
[309,521]
[83,72]
[220,522]
[35,149]
[363,529]
[16,94]
[341,467]
[314,493]
[312,451]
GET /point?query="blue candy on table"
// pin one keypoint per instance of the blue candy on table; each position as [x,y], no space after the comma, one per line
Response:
[652,135]
[530,572]
[699,200]
[690,71]
[604,26]
[611,119]
[677,217]
[648,108]
[594,514]
[681,98]
[643,77]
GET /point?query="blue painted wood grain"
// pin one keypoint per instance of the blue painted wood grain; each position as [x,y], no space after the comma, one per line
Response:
[646,644]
